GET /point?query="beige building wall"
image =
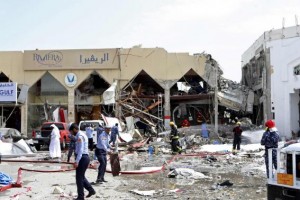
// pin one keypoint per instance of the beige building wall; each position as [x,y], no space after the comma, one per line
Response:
[158,63]
[111,64]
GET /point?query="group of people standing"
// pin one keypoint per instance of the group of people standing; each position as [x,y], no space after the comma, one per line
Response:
[80,144]
[269,139]
[103,147]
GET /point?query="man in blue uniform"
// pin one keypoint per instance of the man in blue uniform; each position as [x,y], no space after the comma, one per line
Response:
[71,146]
[114,134]
[81,163]
[270,140]
[101,151]
[89,133]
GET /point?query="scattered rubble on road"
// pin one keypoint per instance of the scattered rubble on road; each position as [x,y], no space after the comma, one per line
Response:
[206,170]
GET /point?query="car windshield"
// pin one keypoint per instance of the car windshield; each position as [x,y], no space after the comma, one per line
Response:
[85,124]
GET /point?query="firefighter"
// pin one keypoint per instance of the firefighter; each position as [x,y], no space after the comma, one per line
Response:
[185,123]
[174,137]
[270,140]
[237,137]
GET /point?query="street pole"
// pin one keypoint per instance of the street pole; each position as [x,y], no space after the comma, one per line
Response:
[216,101]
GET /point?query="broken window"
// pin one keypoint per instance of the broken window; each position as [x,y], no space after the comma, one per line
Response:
[45,98]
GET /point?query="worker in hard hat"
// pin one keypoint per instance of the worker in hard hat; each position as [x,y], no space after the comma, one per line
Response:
[174,137]
[270,140]
[237,138]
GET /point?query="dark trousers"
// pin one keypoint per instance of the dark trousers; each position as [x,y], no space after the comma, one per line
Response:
[274,160]
[70,153]
[81,181]
[175,145]
[91,144]
[101,156]
[236,143]
[113,139]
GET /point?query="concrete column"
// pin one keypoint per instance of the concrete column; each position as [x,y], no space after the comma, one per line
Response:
[267,91]
[24,111]
[167,108]
[71,106]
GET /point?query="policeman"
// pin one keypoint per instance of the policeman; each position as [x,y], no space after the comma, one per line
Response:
[82,162]
[89,133]
[102,148]
[270,140]
[71,146]
[114,134]
[174,139]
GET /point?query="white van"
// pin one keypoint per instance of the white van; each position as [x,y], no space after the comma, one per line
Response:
[95,124]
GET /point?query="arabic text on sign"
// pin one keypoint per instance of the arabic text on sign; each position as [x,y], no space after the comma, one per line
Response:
[6,84]
[94,59]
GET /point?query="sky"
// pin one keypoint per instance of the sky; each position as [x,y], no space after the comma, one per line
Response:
[223,28]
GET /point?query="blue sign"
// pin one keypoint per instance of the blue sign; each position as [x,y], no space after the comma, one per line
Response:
[70,79]
[8,92]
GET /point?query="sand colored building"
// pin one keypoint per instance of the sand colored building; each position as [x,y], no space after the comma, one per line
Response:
[76,79]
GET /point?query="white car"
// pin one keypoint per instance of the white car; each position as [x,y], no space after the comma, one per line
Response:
[95,124]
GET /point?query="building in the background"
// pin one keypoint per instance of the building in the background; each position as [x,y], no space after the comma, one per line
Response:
[271,68]
[68,85]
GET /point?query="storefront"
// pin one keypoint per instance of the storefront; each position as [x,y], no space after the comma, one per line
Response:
[67,85]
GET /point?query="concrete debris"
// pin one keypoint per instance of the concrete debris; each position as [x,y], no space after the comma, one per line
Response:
[187,174]
[144,193]
[57,190]
[9,149]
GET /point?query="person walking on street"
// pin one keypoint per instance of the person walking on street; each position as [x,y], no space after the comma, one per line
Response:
[270,140]
[89,133]
[114,134]
[174,137]
[71,146]
[237,138]
[54,147]
[102,149]
[81,163]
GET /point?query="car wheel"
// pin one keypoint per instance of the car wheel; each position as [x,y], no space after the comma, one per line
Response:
[63,144]
[37,147]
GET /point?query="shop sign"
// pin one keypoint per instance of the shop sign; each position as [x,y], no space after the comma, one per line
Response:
[8,92]
[70,79]
[71,59]
[50,58]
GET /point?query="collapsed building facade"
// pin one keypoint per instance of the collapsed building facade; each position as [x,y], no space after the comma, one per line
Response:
[270,67]
[147,83]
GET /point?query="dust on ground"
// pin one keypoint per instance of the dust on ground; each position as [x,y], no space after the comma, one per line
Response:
[245,173]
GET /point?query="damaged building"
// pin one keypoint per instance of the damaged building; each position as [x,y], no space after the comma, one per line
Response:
[149,84]
[270,66]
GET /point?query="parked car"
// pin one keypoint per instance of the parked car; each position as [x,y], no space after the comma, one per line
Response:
[95,124]
[43,136]
[12,134]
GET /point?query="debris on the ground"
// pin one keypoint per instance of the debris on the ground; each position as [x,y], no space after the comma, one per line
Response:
[187,174]
[57,190]
[226,183]
[144,193]
[5,179]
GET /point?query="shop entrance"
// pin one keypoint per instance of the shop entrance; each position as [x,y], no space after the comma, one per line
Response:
[45,99]
[88,98]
